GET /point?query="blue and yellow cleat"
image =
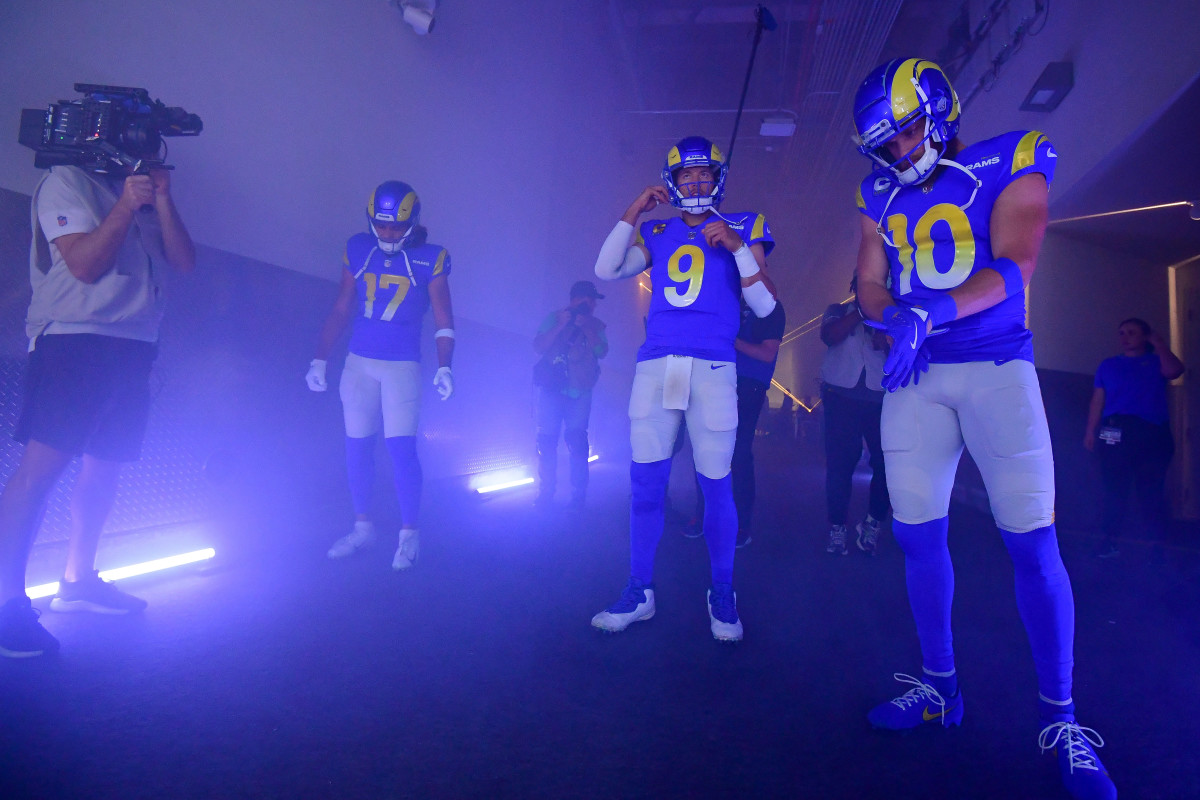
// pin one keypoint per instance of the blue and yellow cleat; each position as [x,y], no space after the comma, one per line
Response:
[917,706]
[1074,746]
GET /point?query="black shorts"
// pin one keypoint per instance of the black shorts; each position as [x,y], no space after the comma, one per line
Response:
[87,393]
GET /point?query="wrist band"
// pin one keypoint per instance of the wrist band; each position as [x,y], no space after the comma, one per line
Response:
[1010,271]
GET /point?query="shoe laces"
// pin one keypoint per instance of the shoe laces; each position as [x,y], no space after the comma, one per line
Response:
[720,600]
[920,693]
[1076,739]
[632,596]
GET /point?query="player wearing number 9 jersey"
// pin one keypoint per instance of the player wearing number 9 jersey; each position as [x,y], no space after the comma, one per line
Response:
[950,238]
[390,277]
[699,263]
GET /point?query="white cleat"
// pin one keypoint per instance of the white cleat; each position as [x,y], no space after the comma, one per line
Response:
[723,618]
[635,605]
[409,549]
[362,535]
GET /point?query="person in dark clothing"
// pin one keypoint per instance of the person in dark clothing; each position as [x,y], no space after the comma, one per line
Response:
[852,393]
[757,346]
[1128,415]
[571,342]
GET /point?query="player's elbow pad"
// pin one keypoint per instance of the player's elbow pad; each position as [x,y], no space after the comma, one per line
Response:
[617,259]
[759,298]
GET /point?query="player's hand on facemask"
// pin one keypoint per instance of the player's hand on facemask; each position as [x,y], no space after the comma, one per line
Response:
[907,328]
[443,381]
[650,198]
[316,375]
[718,232]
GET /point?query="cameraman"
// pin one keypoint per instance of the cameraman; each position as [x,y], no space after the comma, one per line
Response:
[100,241]
[571,343]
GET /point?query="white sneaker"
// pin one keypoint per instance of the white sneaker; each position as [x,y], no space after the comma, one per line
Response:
[723,618]
[636,604]
[409,549]
[362,535]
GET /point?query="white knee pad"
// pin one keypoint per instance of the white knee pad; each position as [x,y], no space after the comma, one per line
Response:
[921,448]
[360,395]
[713,417]
[372,388]
[1006,431]
[652,428]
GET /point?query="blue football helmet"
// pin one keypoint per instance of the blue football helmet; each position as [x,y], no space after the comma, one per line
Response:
[393,201]
[900,93]
[695,151]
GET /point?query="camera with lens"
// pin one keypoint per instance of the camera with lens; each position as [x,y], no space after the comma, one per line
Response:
[109,128]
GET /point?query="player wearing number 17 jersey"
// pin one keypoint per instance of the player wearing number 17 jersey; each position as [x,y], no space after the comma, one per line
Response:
[390,277]
[699,263]
[950,239]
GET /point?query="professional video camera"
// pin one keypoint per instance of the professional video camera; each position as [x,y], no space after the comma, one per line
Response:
[108,126]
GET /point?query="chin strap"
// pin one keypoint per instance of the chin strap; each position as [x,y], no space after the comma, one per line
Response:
[949,162]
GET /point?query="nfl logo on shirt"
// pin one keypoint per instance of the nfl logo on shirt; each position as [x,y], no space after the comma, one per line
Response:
[62,221]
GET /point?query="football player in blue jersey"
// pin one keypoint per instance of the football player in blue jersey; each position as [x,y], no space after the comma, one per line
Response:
[699,263]
[390,276]
[950,238]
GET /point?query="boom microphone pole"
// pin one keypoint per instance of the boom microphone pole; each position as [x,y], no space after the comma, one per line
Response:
[763,20]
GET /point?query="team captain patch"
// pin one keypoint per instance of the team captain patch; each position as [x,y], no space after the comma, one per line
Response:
[659,228]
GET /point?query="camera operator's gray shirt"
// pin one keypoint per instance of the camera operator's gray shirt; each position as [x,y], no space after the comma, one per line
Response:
[127,301]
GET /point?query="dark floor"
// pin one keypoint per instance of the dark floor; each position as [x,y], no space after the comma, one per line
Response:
[281,674]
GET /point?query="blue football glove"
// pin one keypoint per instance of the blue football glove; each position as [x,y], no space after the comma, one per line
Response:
[907,327]
[920,365]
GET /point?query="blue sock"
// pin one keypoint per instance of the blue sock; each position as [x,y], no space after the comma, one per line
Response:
[360,471]
[406,474]
[930,578]
[649,484]
[946,685]
[1047,608]
[720,525]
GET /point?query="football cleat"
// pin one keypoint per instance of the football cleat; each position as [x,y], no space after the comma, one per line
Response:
[1082,773]
[723,618]
[896,95]
[408,550]
[362,535]
[914,708]
[636,604]
[695,151]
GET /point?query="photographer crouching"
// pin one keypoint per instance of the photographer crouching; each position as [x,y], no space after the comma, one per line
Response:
[101,237]
[571,342]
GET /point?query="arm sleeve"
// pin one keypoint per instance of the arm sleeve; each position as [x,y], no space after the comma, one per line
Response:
[618,257]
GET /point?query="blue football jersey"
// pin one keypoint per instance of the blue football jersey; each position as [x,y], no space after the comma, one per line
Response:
[934,244]
[694,309]
[390,304]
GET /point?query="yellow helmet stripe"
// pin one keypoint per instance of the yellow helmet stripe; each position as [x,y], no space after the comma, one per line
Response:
[902,92]
[673,158]
[406,207]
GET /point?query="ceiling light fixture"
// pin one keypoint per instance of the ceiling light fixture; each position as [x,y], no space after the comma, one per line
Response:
[1056,80]
[417,13]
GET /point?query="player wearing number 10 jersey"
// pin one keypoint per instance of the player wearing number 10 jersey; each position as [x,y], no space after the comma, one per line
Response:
[699,263]
[390,277]
[950,238]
